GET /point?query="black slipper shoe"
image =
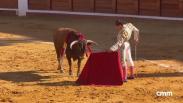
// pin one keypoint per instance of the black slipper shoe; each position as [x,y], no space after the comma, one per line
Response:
[131,77]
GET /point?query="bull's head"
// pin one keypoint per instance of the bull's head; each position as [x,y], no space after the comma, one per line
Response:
[80,47]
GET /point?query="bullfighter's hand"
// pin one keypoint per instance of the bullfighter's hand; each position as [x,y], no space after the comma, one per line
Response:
[136,42]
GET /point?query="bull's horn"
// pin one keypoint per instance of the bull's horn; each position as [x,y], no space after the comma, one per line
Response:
[73,43]
[90,41]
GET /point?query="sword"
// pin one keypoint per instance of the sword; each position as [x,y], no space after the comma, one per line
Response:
[135,53]
[136,59]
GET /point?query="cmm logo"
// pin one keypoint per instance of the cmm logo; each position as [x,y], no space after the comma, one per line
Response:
[164,94]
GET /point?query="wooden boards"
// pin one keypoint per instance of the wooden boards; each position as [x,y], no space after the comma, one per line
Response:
[167,8]
[181,7]
[62,5]
[172,8]
[8,3]
[127,6]
[108,6]
[83,5]
[150,7]
[39,4]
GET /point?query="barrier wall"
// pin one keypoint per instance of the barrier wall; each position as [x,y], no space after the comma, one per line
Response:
[105,6]
[150,7]
[8,3]
[83,5]
[167,8]
[39,4]
[172,8]
[63,5]
[128,6]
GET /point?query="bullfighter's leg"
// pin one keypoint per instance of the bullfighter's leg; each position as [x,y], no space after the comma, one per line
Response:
[130,63]
[124,62]
[79,66]
[70,66]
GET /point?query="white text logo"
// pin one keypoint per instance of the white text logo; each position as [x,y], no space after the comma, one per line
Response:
[164,94]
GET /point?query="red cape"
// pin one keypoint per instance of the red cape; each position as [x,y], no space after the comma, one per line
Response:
[102,69]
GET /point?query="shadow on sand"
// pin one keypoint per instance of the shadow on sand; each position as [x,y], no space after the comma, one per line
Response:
[175,74]
[22,76]
[62,83]
[7,42]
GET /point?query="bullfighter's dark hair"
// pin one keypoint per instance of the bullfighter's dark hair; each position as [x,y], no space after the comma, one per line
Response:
[118,22]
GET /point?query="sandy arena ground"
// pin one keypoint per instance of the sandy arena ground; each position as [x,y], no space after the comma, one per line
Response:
[28,62]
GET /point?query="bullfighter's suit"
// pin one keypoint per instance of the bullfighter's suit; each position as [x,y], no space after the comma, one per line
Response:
[122,43]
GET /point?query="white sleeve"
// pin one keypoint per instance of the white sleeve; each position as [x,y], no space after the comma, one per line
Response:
[118,44]
[136,33]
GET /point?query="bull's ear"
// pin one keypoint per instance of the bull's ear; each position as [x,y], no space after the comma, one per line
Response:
[73,43]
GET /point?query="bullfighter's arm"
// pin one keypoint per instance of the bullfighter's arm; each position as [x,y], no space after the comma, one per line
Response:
[119,43]
[135,33]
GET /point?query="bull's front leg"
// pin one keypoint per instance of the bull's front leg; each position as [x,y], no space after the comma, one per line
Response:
[60,64]
[79,66]
[60,58]
[70,66]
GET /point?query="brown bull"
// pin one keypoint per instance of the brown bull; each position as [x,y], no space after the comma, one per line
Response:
[67,41]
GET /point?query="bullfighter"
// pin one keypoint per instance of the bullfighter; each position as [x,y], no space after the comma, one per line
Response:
[124,34]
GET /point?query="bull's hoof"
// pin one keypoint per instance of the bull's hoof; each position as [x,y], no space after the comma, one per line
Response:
[70,73]
[78,74]
[59,68]
[61,71]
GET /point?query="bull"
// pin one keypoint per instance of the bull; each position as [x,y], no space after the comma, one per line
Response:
[70,42]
